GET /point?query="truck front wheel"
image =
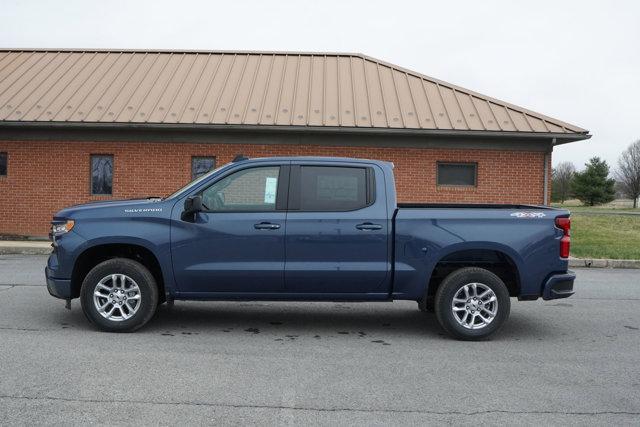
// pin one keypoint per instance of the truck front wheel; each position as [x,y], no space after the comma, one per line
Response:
[119,295]
[472,303]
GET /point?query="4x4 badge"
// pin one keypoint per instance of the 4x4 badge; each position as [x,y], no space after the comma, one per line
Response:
[528,214]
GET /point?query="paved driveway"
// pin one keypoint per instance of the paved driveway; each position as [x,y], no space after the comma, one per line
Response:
[571,361]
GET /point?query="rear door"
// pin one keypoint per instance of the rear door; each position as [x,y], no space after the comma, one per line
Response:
[337,229]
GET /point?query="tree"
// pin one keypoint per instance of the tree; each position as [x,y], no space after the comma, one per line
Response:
[593,185]
[628,173]
[561,177]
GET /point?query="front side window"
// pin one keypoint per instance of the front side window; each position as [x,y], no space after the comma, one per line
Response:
[201,165]
[464,174]
[327,188]
[248,190]
[3,164]
[101,174]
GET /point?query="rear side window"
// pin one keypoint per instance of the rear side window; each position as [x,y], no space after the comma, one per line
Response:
[326,188]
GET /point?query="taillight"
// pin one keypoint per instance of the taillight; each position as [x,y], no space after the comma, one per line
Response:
[565,242]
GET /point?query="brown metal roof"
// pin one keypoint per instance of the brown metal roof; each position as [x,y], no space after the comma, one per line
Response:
[246,88]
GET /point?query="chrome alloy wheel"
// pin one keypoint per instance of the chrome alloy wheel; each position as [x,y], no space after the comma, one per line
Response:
[474,306]
[117,297]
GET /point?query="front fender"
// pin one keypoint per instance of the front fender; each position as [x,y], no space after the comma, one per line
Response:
[161,251]
[65,265]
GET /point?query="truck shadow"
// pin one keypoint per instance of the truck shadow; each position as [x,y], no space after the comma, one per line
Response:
[322,320]
[288,321]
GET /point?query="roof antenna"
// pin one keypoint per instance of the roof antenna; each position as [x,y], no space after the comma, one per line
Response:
[239,158]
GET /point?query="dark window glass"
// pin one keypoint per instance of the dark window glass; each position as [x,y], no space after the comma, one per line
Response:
[101,174]
[201,165]
[248,190]
[3,164]
[325,188]
[457,174]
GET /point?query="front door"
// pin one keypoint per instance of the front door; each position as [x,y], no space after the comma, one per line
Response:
[337,231]
[237,244]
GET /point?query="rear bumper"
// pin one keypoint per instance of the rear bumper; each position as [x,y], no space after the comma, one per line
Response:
[59,288]
[559,286]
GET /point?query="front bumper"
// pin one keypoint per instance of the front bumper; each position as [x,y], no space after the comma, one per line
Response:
[59,288]
[559,286]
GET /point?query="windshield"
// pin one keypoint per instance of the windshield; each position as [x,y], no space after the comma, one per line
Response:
[197,180]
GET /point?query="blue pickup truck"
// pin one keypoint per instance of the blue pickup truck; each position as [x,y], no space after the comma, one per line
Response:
[307,229]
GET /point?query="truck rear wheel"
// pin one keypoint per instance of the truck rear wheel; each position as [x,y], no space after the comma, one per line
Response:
[119,295]
[472,303]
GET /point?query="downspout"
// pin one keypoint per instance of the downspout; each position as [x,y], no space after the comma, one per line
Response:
[547,157]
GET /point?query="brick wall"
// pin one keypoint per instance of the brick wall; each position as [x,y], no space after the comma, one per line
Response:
[46,176]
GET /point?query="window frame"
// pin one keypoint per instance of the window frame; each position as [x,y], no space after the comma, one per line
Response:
[113,169]
[282,190]
[6,156]
[444,163]
[295,202]
[215,161]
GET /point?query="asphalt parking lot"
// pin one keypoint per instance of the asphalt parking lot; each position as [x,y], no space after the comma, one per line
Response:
[574,361]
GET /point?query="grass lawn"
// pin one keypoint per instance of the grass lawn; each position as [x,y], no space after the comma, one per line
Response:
[594,209]
[618,205]
[605,236]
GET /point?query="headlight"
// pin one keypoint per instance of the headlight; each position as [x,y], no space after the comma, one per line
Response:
[59,228]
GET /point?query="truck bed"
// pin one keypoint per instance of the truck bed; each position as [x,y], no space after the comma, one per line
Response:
[428,233]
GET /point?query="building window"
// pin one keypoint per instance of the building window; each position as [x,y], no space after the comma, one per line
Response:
[101,174]
[201,165]
[465,174]
[3,164]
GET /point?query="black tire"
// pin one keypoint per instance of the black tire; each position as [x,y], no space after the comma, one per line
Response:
[454,283]
[147,288]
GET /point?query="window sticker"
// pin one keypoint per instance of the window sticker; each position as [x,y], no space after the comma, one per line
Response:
[270,187]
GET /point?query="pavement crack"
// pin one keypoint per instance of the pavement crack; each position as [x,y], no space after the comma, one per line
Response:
[7,288]
[315,409]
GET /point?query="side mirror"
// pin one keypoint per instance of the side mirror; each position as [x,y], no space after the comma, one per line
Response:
[192,205]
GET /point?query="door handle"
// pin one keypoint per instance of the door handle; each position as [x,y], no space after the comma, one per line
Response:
[368,226]
[266,226]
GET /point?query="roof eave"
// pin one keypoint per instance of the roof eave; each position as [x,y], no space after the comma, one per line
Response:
[572,138]
[556,138]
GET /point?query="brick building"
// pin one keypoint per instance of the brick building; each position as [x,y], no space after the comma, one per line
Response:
[79,126]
